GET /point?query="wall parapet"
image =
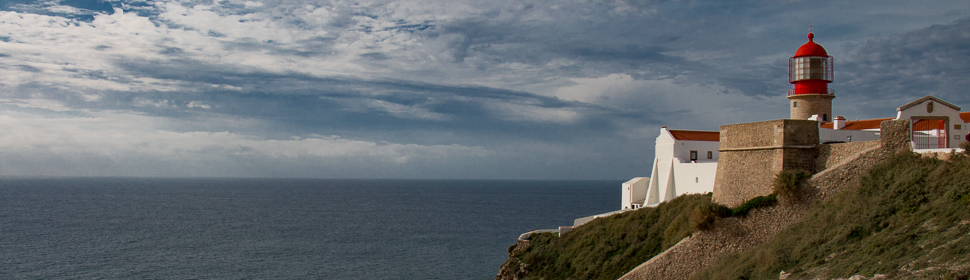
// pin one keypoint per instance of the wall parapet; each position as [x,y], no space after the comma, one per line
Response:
[752,153]
[894,135]
[768,148]
[830,155]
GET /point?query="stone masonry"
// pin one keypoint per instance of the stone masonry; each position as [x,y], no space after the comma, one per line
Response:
[810,104]
[832,154]
[844,165]
[752,153]
[894,135]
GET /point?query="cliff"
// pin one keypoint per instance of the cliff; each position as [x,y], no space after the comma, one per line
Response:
[868,214]
[735,235]
[604,248]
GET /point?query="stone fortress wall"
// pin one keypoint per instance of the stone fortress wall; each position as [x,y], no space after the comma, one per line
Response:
[845,165]
[752,153]
[830,155]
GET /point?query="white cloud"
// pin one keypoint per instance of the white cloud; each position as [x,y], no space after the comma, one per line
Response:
[141,102]
[196,104]
[701,106]
[594,90]
[530,113]
[38,104]
[404,111]
[652,63]
[122,137]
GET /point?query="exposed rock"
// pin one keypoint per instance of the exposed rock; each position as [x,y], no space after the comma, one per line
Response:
[843,166]
[734,235]
[514,268]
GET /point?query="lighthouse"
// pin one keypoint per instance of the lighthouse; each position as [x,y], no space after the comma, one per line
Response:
[810,70]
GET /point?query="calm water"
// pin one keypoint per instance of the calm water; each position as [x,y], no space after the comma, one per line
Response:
[278,228]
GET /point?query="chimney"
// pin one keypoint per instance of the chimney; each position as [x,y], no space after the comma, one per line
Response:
[838,122]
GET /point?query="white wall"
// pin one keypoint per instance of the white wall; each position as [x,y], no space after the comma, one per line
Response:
[682,150]
[668,148]
[674,178]
[939,110]
[634,192]
[673,173]
[665,145]
[694,177]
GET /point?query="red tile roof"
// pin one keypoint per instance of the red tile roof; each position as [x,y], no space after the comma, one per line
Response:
[695,135]
[920,125]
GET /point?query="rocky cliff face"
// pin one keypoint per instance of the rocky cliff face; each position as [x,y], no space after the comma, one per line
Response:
[843,167]
[736,235]
[513,268]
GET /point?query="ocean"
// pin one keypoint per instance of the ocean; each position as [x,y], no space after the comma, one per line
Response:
[151,228]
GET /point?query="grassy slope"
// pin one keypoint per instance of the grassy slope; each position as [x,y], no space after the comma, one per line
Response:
[909,218]
[606,248]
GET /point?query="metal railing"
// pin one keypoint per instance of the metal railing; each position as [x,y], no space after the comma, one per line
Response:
[792,92]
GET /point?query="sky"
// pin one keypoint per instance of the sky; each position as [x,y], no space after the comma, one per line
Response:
[434,89]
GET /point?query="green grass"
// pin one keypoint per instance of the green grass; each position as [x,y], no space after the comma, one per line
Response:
[906,215]
[607,248]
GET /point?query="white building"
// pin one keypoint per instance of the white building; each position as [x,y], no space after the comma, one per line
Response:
[934,123]
[842,130]
[685,162]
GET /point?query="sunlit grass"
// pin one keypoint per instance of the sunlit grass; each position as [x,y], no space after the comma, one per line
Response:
[908,218]
[607,248]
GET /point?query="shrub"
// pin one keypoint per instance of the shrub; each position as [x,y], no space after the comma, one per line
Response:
[705,215]
[761,201]
[966,147]
[905,215]
[607,248]
[789,182]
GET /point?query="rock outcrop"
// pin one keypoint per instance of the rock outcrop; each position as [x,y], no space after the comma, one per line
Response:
[733,235]
[514,268]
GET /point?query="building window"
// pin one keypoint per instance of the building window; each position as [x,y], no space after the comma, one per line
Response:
[710,155]
[697,179]
[957,126]
[825,117]
[794,104]
[693,155]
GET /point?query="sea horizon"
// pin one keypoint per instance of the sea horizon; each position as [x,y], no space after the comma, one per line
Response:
[285,228]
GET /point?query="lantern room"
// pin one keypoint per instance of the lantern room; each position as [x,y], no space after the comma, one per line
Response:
[810,71]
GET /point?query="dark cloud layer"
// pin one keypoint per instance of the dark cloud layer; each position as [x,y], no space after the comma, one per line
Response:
[929,61]
[458,90]
[328,105]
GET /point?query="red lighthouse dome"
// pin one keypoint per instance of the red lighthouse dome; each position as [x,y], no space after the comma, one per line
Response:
[811,48]
[810,70]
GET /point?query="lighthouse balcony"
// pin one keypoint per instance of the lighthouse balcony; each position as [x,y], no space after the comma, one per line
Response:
[792,92]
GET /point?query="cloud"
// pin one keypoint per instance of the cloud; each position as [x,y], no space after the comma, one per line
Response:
[114,139]
[483,89]
[895,70]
